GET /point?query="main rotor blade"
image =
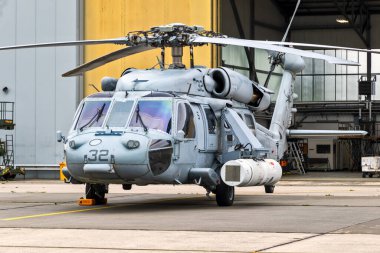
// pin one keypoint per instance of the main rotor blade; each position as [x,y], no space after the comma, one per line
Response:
[291,21]
[318,46]
[270,47]
[107,58]
[119,41]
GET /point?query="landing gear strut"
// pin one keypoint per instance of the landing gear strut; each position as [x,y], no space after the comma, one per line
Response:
[97,192]
[225,194]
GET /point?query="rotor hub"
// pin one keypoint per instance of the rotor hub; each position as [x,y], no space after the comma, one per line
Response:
[171,35]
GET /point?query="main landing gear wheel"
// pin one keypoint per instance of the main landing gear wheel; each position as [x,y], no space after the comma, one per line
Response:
[225,194]
[96,192]
[269,188]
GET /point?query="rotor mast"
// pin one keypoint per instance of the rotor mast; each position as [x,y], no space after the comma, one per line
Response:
[177,55]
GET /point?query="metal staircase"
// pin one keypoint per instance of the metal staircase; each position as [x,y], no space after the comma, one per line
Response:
[8,158]
[296,156]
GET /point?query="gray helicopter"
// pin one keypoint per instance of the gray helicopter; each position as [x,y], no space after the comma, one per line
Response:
[181,125]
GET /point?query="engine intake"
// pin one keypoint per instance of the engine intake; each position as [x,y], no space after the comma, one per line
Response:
[226,83]
[230,84]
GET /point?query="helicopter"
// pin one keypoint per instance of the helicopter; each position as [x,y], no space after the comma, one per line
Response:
[181,125]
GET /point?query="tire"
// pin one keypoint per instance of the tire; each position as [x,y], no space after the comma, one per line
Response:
[97,192]
[127,187]
[225,194]
[363,175]
[370,175]
[269,188]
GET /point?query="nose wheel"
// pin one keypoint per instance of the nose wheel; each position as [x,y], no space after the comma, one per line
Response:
[97,192]
[225,194]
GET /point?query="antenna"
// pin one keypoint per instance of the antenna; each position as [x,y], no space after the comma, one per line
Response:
[275,57]
[291,21]
[94,87]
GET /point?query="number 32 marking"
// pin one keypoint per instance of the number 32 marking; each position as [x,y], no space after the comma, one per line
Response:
[103,155]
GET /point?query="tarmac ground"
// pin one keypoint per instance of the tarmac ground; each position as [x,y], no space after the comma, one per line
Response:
[317,212]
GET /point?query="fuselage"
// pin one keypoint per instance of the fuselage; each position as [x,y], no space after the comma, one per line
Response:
[143,138]
[154,128]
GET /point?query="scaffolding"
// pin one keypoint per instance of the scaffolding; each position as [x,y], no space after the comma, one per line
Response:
[7,167]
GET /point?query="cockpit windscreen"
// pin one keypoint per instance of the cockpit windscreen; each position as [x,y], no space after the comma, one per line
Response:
[119,114]
[152,114]
[93,114]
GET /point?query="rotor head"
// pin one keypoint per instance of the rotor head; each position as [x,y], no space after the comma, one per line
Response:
[171,35]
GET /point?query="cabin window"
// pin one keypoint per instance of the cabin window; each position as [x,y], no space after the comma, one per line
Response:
[119,114]
[153,115]
[185,120]
[93,114]
[249,121]
[211,120]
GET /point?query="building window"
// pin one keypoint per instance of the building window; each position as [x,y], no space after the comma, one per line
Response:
[323,149]
[319,81]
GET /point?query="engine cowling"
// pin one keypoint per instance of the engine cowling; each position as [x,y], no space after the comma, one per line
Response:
[226,83]
[230,84]
[261,98]
[249,172]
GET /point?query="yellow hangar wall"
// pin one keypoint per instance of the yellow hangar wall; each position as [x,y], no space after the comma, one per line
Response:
[110,19]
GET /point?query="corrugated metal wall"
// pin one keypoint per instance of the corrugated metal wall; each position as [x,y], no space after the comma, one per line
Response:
[44,101]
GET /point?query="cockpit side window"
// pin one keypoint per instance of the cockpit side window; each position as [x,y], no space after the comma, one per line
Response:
[185,120]
[153,114]
[211,121]
[119,114]
[92,114]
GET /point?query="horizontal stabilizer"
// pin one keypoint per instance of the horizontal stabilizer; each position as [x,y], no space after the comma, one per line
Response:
[300,133]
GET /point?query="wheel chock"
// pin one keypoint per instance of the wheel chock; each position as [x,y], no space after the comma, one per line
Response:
[91,202]
[86,202]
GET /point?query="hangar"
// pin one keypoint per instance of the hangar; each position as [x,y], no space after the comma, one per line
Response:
[329,97]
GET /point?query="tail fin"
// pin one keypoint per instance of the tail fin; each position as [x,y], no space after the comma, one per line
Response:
[282,114]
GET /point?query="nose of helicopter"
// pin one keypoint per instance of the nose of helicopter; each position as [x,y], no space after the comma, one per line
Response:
[112,157]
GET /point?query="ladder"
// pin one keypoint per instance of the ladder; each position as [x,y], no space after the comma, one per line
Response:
[8,159]
[297,155]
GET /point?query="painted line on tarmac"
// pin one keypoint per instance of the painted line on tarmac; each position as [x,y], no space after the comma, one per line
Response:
[90,209]
[117,249]
[57,213]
